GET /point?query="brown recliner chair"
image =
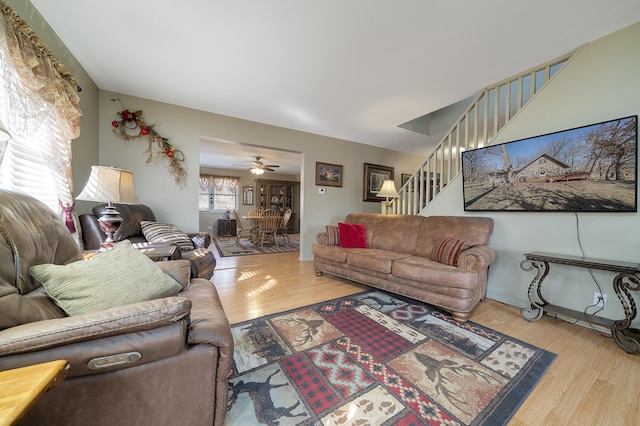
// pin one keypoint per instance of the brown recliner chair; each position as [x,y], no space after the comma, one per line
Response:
[184,341]
[203,261]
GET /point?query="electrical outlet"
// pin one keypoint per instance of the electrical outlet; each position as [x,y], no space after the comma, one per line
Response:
[600,299]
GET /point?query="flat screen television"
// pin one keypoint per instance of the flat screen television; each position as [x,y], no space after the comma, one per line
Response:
[586,169]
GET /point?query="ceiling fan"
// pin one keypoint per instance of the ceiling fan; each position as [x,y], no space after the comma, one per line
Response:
[258,167]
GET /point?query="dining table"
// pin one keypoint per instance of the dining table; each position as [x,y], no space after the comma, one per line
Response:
[255,223]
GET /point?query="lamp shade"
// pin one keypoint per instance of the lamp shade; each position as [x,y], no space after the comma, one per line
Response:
[388,190]
[109,184]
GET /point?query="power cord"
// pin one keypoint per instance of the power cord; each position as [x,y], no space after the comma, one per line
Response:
[600,298]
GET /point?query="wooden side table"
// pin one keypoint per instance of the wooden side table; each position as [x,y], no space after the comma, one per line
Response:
[20,388]
[160,253]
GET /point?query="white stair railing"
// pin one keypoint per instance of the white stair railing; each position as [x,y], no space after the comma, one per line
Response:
[494,107]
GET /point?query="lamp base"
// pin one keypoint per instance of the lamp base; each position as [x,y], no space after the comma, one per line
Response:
[109,222]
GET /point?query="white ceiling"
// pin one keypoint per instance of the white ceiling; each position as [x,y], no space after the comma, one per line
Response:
[349,69]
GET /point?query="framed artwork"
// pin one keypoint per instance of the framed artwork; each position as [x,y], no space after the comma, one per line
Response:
[328,174]
[405,178]
[374,175]
[247,195]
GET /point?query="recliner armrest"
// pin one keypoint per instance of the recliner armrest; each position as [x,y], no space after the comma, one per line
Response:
[46,334]
[100,342]
[209,324]
[200,239]
[92,235]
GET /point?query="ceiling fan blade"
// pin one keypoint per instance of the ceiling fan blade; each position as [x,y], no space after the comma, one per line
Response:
[270,165]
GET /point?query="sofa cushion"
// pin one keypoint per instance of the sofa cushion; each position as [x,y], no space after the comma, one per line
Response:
[116,277]
[417,270]
[156,232]
[447,250]
[337,254]
[352,235]
[333,235]
[373,259]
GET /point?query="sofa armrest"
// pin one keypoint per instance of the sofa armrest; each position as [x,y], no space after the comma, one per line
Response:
[476,258]
[200,239]
[321,238]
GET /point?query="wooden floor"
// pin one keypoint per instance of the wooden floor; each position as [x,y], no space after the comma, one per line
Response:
[592,381]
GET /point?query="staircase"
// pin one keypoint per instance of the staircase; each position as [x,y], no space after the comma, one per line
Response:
[494,107]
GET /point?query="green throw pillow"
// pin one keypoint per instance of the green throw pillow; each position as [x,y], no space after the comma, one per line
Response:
[116,277]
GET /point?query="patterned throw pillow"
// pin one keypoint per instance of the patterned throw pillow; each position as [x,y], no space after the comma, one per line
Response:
[447,250]
[353,235]
[333,235]
[117,277]
[165,233]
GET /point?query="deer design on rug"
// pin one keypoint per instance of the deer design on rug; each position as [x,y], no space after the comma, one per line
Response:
[259,392]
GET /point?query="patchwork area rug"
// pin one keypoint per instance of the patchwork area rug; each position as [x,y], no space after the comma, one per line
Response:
[227,246]
[377,359]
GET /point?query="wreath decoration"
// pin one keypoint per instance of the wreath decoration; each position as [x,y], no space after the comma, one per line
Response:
[131,125]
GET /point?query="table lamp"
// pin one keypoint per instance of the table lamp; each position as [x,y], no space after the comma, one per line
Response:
[388,190]
[110,185]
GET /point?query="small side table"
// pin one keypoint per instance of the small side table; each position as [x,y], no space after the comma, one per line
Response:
[227,228]
[160,253]
[20,388]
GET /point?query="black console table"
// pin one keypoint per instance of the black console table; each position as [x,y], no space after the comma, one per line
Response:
[627,278]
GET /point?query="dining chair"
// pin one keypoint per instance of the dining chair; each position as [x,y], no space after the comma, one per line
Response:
[282,227]
[254,216]
[241,231]
[269,226]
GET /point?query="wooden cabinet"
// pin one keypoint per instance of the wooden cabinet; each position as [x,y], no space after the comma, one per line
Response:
[226,227]
[278,195]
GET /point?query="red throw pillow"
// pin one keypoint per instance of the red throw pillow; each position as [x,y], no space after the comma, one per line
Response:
[447,250]
[353,235]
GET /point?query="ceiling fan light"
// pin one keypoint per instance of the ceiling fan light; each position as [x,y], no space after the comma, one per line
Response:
[257,171]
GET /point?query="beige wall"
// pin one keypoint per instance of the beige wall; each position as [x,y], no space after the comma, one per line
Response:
[600,83]
[184,127]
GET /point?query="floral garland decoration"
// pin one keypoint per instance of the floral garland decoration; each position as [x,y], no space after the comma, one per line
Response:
[126,128]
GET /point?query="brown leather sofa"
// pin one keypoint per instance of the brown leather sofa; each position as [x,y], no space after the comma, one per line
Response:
[184,342]
[203,261]
[399,258]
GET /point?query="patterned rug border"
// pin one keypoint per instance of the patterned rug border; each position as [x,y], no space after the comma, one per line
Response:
[502,407]
[248,249]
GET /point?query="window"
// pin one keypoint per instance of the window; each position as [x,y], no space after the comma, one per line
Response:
[25,169]
[40,108]
[218,193]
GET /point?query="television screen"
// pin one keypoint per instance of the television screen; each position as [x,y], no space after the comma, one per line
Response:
[587,169]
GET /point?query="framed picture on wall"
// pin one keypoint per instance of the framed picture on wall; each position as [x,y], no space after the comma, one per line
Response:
[374,175]
[247,195]
[328,174]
